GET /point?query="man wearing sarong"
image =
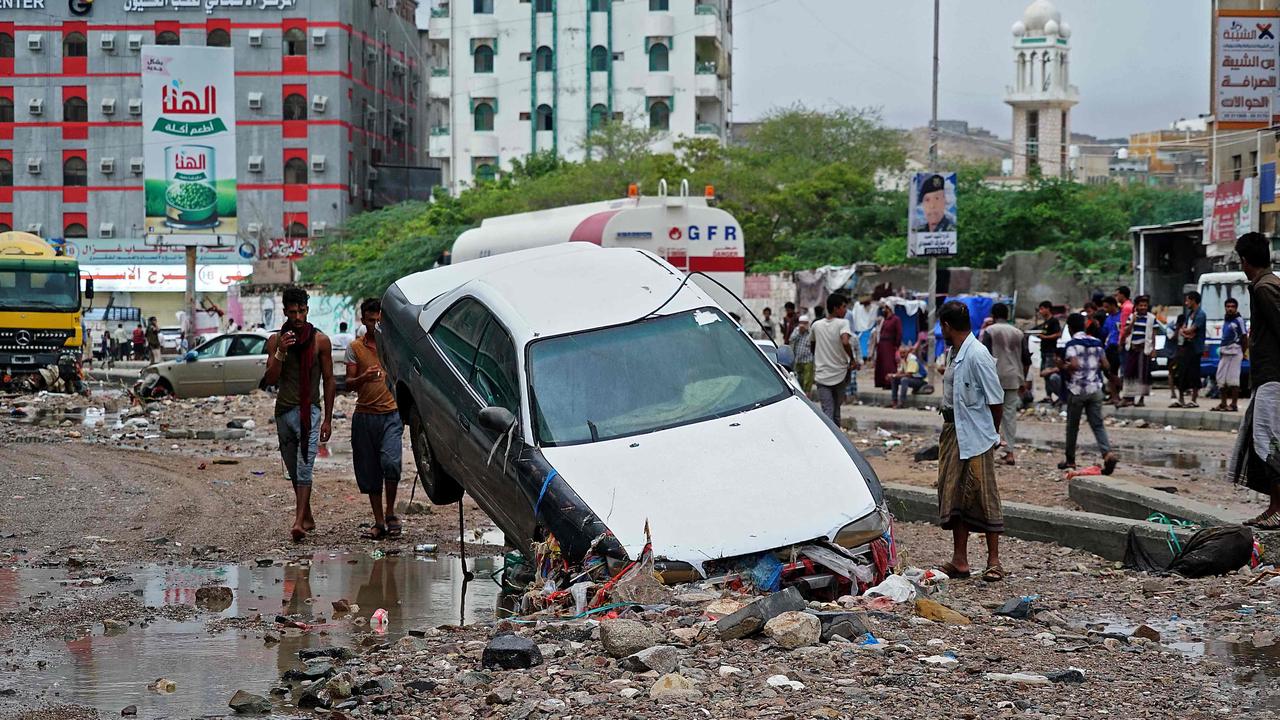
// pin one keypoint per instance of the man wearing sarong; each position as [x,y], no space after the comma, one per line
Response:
[972,404]
[1256,460]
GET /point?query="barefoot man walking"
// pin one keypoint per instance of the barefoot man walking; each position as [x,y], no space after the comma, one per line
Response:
[299,357]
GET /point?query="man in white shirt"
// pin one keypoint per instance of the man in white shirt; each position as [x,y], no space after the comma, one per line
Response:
[833,356]
[972,405]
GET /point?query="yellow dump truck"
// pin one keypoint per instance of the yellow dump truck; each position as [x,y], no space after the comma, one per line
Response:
[39,306]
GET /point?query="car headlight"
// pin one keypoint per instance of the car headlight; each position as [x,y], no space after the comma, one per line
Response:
[862,531]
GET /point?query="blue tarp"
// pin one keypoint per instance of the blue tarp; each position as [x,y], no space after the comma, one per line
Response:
[979,311]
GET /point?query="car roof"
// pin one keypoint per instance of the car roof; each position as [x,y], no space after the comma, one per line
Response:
[565,288]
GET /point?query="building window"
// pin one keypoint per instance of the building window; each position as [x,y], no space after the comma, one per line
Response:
[295,42]
[485,172]
[659,5]
[75,173]
[75,230]
[218,38]
[168,37]
[6,172]
[599,59]
[599,116]
[1033,139]
[659,58]
[6,45]
[1253,163]
[483,117]
[544,59]
[295,171]
[660,116]
[75,109]
[482,7]
[295,107]
[542,6]
[1237,165]
[75,45]
[6,110]
[545,121]
[483,59]
[599,5]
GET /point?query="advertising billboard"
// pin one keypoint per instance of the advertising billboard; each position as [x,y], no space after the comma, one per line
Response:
[1244,68]
[189,142]
[931,215]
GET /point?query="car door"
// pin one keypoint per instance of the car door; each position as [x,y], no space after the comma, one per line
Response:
[445,361]
[245,365]
[203,376]
[494,381]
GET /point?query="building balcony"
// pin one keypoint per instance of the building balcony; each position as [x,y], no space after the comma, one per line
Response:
[707,85]
[439,145]
[439,87]
[440,25]
[659,24]
[706,128]
[1035,95]
[706,20]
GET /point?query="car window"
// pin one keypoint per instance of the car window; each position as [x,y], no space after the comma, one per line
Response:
[458,333]
[247,345]
[495,378]
[215,348]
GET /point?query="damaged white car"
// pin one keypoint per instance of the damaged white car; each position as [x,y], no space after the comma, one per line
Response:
[584,393]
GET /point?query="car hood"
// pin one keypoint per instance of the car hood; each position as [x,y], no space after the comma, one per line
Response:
[745,483]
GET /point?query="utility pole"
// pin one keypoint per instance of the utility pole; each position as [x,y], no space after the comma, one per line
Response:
[933,162]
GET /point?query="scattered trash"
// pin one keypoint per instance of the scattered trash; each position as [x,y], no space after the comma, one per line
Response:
[378,621]
[941,660]
[895,587]
[376,554]
[1018,678]
[892,443]
[1016,608]
[426,548]
[928,454]
[163,686]
[780,681]
[1070,675]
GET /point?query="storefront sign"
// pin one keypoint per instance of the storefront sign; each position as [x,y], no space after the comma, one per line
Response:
[188,121]
[135,251]
[163,278]
[22,5]
[1245,74]
[1235,211]
[209,6]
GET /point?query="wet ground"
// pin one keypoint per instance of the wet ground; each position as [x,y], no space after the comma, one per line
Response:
[101,665]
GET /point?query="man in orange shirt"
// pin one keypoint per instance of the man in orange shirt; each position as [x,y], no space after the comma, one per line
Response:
[376,428]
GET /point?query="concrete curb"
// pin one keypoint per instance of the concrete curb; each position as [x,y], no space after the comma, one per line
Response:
[1121,498]
[1101,535]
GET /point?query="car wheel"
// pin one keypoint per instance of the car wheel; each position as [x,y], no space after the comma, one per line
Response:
[161,390]
[440,488]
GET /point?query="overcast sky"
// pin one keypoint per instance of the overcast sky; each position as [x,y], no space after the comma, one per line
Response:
[1139,64]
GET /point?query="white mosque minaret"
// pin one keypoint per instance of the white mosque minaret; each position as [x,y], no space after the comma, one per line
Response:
[1042,95]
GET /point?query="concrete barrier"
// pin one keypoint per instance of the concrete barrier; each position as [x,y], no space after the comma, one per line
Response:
[1121,498]
[1101,535]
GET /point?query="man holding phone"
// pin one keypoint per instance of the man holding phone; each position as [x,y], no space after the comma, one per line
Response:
[299,357]
[377,432]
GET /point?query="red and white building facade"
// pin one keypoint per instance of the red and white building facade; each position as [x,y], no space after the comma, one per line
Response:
[325,91]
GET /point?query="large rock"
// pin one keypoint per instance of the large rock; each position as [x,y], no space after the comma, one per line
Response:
[340,686]
[791,630]
[671,687]
[661,659]
[511,652]
[847,625]
[627,637]
[248,703]
[751,619]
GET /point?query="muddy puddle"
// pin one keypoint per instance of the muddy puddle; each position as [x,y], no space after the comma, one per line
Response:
[110,669]
[88,417]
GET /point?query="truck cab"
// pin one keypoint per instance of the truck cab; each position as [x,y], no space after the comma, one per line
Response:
[40,320]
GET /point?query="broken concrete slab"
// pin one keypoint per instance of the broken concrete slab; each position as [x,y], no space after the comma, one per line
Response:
[1121,498]
[752,618]
[1101,535]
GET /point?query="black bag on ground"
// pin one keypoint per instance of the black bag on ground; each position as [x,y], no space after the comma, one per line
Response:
[1214,551]
[1136,556]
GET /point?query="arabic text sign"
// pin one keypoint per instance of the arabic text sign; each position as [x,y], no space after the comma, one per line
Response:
[188,125]
[209,6]
[163,278]
[134,251]
[1245,74]
[931,215]
[1235,211]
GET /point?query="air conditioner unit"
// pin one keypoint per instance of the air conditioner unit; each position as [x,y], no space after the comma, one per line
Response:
[35,106]
[135,106]
[107,165]
[255,38]
[255,101]
[255,163]
[373,174]
[319,228]
[318,163]
[36,229]
[34,166]
[108,41]
[319,103]
[319,36]
[135,165]
[107,230]
[35,43]
[254,229]
[135,41]
[108,106]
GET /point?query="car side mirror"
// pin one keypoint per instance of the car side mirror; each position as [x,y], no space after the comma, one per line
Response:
[191,356]
[496,419]
[88,288]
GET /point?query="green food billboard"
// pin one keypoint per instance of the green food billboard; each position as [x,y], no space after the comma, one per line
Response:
[189,140]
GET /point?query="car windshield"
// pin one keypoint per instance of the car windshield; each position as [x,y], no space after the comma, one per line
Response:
[31,290]
[646,376]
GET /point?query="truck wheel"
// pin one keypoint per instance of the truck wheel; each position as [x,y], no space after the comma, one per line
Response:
[440,488]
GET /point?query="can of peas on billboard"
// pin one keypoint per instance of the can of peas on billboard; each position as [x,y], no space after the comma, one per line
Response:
[189,142]
[191,188]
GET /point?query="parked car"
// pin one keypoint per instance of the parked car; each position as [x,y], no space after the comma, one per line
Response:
[593,394]
[229,364]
